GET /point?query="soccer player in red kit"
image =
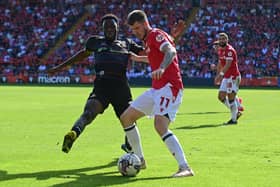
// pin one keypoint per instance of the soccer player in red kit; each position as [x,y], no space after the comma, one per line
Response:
[229,77]
[218,67]
[163,99]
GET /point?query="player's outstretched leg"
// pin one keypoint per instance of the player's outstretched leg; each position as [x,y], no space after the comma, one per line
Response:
[92,108]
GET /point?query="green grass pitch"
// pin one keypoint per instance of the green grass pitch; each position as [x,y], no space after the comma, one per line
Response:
[33,121]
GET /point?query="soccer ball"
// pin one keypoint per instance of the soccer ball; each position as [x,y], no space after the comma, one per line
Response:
[129,164]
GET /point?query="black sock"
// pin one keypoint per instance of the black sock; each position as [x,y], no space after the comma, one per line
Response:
[77,130]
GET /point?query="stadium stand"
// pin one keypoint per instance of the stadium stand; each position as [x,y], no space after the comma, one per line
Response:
[36,35]
[252,30]
[29,29]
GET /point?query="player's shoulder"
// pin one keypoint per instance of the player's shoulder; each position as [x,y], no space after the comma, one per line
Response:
[93,42]
[230,51]
[230,48]
[157,34]
[156,31]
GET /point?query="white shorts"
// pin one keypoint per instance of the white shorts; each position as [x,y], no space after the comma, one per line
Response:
[229,85]
[159,102]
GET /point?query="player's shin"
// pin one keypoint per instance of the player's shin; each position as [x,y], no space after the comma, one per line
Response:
[237,102]
[175,148]
[134,139]
[233,109]
[226,102]
[78,127]
[86,118]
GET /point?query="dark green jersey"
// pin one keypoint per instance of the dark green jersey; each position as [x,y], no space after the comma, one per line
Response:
[111,58]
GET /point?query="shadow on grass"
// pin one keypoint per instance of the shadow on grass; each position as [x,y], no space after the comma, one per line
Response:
[199,113]
[79,177]
[200,126]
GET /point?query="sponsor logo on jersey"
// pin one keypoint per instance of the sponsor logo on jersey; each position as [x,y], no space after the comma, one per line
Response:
[159,38]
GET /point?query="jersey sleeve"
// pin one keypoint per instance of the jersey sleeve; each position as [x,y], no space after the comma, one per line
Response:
[134,47]
[158,39]
[92,43]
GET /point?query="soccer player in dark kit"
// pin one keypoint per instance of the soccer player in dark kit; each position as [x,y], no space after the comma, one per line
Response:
[111,85]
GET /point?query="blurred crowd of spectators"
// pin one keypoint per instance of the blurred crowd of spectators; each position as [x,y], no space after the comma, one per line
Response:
[253,31]
[31,28]
[159,15]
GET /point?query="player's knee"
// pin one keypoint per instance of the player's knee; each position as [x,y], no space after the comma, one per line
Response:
[232,96]
[160,129]
[161,124]
[221,98]
[126,119]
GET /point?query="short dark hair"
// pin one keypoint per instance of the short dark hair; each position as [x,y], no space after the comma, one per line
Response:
[136,16]
[110,16]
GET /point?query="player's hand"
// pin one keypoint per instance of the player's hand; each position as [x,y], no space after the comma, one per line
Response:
[178,29]
[157,74]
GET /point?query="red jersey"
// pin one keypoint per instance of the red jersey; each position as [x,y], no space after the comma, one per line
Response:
[229,53]
[154,41]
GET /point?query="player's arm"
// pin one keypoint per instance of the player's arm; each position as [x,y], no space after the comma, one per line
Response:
[138,58]
[79,56]
[218,78]
[178,30]
[223,70]
[137,52]
[90,46]
[219,67]
[169,53]
[226,67]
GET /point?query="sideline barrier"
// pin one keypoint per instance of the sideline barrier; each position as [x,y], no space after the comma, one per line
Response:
[141,81]
[265,81]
